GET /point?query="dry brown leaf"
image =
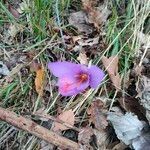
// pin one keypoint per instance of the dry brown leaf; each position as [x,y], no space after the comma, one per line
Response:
[39,81]
[67,117]
[82,58]
[143,89]
[131,104]
[138,69]
[111,65]
[102,138]
[34,66]
[97,116]
[84,135]
[96,15]
[79,20]
[84,138]
[90,43]
[90,3]
[116,80]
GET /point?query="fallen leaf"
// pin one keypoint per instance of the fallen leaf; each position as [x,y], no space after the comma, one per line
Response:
[34,66]
[111,65]
[90,3]
[13,11]
[88,42]
[39,81]
[79,20]
[131,104]
[97,116]
[3,69]
[96,15]
[142,142]
[84,135]
[138,69]
[67,117]
[127,127]
[82,58]
[143,89]
[116,80]
[102,138]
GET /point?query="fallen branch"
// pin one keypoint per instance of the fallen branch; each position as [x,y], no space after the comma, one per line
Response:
[37,130]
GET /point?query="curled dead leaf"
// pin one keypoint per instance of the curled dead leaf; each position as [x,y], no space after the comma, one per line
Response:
[67,117]
[97,115]
[39,81]
[79,20]
[84,135]
[96,15]
[116,80]
[82,58]
[102,138]
[111,65]
[127,127]
[143,89]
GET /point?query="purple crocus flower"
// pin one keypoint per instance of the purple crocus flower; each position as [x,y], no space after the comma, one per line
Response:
[75,78]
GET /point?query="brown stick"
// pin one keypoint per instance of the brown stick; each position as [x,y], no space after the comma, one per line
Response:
[37,130]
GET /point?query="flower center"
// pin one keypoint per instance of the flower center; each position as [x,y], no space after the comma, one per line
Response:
[82,78]
[68,85]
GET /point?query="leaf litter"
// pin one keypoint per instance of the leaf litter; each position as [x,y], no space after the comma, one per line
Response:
[67,117]
[129,127]
[111,65]
[4,69]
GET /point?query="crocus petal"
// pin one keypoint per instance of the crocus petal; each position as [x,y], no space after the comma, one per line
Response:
[82,86]
[60,69]
[96,76]
[67,86]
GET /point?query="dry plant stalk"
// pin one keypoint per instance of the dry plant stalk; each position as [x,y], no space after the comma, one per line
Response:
[37,130]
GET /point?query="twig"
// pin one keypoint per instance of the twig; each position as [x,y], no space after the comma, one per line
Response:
[37,130]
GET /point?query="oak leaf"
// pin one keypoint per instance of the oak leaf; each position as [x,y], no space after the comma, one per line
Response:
[67,117]
[111,65]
